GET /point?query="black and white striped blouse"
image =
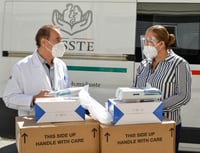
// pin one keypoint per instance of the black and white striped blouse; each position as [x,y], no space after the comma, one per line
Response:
[173,77]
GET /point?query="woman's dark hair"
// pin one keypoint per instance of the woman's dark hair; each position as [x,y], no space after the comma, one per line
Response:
[162,34]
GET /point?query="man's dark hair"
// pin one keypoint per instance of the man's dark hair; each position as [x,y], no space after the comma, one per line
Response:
[44,32]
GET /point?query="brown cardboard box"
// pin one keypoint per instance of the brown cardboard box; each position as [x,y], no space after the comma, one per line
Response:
[138,138]
[66,137]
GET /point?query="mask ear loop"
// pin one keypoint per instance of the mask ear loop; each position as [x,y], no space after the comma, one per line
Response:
[156,45]
[49,42]
[50,50]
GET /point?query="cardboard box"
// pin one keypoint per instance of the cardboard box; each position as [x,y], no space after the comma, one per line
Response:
[138,138]
[58,109]
[135,113]
[66,137]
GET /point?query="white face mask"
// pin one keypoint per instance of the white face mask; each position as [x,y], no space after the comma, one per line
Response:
[58,49]
[150,52]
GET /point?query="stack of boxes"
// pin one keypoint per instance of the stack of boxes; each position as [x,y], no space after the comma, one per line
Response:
[138,124]
[60,125]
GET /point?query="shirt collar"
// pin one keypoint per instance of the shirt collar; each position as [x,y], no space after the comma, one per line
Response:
[42,60]
[170,56]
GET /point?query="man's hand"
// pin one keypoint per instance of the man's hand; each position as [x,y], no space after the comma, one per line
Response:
[43,93]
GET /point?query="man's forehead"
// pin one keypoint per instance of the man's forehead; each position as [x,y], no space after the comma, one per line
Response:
[56,34]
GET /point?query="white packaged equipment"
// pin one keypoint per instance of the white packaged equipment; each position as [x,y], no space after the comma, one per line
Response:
[136,94]
[59,109]
[134,113]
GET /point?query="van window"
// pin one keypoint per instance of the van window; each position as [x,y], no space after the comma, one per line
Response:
[183,20]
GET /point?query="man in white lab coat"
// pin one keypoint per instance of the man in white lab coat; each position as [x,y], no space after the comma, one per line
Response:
[36,75]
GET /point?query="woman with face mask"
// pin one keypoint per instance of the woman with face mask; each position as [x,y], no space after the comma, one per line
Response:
[165,70]
[38,74]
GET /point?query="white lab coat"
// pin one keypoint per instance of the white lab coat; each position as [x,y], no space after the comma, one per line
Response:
[28,78]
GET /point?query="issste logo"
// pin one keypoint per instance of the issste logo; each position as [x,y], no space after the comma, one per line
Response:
[72,20]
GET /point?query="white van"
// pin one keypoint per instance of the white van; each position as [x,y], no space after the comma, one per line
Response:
[103,43]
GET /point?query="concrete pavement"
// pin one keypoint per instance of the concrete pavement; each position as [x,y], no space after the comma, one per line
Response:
[8,145]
